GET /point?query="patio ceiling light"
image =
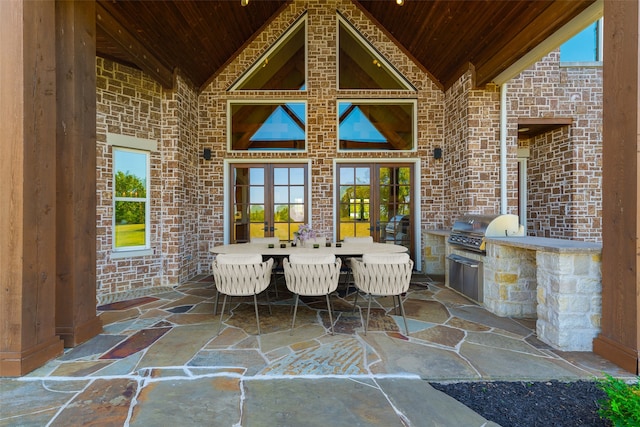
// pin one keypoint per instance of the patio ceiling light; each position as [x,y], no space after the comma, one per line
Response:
[244,2]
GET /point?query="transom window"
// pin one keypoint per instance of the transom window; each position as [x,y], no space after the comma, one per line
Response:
[376,125]
[267,125]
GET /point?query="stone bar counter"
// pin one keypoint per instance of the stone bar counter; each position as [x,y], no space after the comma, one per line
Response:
[557,281]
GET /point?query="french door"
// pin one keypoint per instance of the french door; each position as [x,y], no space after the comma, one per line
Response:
[374,199]
[268,200]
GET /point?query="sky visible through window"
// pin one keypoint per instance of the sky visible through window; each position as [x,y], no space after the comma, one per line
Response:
[583,47]
[131,163]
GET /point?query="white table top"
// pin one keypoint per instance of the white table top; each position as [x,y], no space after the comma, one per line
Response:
[355,249]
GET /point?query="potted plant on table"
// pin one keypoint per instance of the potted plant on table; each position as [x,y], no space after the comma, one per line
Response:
[304,234]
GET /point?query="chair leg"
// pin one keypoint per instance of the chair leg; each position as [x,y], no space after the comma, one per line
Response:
[295,310]
[274,279]
[266,292]
[224,301]
[366,325]
[255,303]
[406,328]
[330,316]
[355,301]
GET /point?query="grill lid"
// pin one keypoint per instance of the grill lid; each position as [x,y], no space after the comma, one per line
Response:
[469,231]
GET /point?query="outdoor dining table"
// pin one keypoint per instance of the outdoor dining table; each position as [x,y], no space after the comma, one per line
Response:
[345,249]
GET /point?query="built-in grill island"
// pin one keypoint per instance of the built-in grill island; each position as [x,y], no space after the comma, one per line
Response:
[467,240]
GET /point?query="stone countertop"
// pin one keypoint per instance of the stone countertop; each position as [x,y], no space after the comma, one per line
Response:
[439,232]
[546,244]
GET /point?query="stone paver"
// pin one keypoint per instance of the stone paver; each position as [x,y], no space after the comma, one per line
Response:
[160,361]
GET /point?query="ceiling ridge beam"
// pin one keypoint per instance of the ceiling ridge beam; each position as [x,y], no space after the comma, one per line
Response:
[141,56]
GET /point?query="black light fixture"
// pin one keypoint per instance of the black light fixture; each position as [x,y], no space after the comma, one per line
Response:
[207,154]
[437,153]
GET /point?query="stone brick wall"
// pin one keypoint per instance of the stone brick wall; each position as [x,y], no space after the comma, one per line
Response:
[131,103]
[187,204]
[321,95]
[179,197]
[128,103]
[472,153]
[565,166]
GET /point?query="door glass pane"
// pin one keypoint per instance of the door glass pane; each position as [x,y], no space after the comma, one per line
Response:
[395,207]
[281,194]
[297,176]
[249,203]
[269,205]
[355,202]
[377,205]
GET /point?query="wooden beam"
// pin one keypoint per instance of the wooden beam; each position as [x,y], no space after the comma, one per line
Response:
[141,56]
[76,317]
[619,339]
[27,186]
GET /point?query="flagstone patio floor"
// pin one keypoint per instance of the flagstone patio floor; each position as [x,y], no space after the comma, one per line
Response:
[160,361]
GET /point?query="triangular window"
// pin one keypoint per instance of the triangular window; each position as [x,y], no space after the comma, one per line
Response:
[361,66]
[282,67]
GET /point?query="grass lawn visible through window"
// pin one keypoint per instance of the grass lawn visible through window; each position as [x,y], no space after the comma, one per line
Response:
[130,235]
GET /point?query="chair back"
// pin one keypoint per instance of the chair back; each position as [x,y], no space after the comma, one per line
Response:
[382,274]
[352,239]
[241,274]
[312,275]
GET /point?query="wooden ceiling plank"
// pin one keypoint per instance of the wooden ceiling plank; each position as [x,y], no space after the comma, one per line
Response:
[515,46]
[142,57]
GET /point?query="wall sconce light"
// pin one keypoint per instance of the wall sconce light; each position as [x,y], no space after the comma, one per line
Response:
[207,154]
[437,153]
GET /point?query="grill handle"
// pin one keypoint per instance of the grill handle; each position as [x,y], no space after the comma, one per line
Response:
[465,261]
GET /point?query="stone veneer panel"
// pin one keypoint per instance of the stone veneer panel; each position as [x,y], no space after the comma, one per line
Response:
[510,281]
[569,299]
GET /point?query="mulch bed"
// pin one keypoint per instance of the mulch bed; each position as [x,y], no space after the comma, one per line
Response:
[529,404]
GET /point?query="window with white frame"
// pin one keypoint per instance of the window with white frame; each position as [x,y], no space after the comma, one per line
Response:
[376,125]
[584,47]
[131,199]
[267,125]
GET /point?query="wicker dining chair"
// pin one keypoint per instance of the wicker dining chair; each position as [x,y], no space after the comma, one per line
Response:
[277,271]
[312,275]
[347,270]
[241,275]
[382,275]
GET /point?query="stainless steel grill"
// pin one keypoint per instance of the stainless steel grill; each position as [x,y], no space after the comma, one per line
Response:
[469,231]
